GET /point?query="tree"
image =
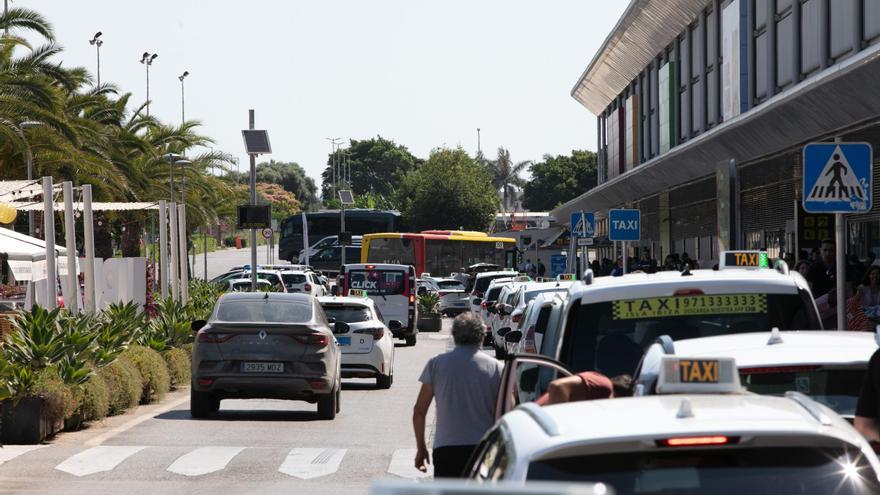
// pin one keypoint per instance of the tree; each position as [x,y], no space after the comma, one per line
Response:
[292,177]
[283,202]
[558,179]
[448,191]
[377,166]
[506,176]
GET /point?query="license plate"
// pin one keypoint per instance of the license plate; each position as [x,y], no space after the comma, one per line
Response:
[344,340]
[262,367]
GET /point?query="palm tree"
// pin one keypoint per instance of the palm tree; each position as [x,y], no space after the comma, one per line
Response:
[506,175]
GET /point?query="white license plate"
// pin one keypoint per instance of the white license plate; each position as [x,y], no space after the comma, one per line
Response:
[262,367]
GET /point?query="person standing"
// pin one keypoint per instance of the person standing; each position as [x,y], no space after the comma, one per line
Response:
[541,268]
[822,272]
[464,384]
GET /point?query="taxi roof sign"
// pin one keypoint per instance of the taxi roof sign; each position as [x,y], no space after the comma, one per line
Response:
[522,278]
[684,375]
[357,293]
[563,277]
[744,259]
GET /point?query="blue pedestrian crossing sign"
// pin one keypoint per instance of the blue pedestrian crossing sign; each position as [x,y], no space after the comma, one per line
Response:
[837,177]
[624,225]
[583,224]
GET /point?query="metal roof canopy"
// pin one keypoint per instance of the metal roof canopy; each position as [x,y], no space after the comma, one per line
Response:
[832,101]
[644,29]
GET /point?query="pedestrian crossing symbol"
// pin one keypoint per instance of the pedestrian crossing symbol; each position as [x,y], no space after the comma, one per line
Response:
[837,177]
[583,224]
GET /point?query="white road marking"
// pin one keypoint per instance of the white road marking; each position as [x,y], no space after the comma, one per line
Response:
[98,440]
[402,465]
[9,452]
[312,463]
[97,459]
[204,460]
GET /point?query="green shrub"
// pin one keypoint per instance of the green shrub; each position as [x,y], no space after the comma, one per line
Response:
[62,401]
[188,348]
[95,399]
[153,371]
[124,384]
[178,362]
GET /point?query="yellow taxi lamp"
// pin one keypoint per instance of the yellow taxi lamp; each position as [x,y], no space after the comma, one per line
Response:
[357,293]
[744,259]
[685,375]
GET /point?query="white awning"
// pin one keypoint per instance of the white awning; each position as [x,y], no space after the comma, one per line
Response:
[96,206]
[21,270]
[22,247]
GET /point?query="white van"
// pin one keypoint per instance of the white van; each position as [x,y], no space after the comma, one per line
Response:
[393,289]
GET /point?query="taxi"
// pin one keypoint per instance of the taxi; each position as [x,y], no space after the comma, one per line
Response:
[828,366]
[363,337]
[702,433]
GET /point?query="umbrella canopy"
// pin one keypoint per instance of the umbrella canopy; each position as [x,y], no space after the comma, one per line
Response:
[21,247]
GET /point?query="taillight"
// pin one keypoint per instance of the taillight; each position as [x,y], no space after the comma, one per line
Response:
[442,293]
[530,340]
[696,441]
[377,332]
[776,369]
[213,338]
[484,304]
[412,298]
[318,339]
[307,287]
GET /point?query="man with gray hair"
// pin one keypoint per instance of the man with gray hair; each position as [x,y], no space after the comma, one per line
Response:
[464,382]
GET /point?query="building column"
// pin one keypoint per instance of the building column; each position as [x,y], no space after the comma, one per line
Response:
[663,216]
[726,196]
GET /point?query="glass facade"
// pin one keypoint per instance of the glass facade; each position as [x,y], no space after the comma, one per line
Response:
[443,257]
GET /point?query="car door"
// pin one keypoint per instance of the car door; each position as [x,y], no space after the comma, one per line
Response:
[524,378]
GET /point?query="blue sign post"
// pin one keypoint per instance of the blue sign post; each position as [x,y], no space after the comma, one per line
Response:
[837,179]
[583,224]
[557,264]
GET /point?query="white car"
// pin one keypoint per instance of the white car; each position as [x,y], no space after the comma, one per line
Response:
[244,285]
[702,434]
[487,307]
[541,312]
[508,298]
[526,293]
[453,298]
[301,281]
[828,366]
[481,283]
[363,337]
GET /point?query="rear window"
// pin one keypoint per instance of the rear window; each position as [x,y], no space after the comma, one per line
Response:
[378,282]
[611,337]
[264,311]
[348,314]
[450,284]
[720,471]
[493,294]
[837,389]
[293,279]
[533,294]
[483,282]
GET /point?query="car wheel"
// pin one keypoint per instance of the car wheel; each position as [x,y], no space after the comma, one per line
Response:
[327,405]
[384,381]
[202,404]
[411,341]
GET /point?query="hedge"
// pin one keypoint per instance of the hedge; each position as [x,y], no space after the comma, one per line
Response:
[124,384]
[154,373]
[178,362]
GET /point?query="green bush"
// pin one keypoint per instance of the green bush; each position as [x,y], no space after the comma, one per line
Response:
[62,401]
[124,384]
[178,364]
[153,371]
[95,399]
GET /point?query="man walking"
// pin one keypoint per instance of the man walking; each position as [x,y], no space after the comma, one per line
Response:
[464,382]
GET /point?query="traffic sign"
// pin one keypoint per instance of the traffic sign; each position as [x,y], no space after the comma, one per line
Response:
[837,177]
[624,225]
[267,233]
[583,224]
[585,241]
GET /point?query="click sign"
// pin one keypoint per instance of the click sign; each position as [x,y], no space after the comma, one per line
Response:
[837,177]
[624,225]
[583,224]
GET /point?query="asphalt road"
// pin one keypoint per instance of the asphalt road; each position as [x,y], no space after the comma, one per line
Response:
[220,261]
[251,446]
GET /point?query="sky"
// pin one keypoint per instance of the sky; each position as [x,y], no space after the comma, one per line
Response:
[424,74]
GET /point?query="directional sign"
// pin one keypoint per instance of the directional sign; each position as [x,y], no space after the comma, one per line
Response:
[583,224]
[837,177]
[624,225]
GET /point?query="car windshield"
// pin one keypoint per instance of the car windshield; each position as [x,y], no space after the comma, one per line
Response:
[263,311]
[756,471]
[347,314]
[837,389]
[450,285]
[611,337]
[493,294]
[378,282]
[291,279]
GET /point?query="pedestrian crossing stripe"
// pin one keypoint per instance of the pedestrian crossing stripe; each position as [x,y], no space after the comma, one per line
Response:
[837,181]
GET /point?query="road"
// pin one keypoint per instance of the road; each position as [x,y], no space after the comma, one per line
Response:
[220,261]
[251,446]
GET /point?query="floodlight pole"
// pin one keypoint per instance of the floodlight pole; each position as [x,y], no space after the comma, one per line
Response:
[49,237]
[253,159]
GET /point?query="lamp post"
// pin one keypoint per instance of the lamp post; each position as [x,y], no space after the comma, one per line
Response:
[182,100]
[29,157]
[147,59]
[334,173]
[97,44]
[183,162]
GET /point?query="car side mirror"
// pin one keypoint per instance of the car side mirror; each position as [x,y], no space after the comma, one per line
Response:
[476,301]
[504,331]
[197,325]
[513,337]
[394,325]
[340,327]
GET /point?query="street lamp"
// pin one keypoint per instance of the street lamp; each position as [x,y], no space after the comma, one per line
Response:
[147,59]
[29,156]
[182,101]
[171,157]
[97,44]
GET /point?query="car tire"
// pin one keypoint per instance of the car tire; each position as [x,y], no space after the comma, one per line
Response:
[384,381]
[328,405]
[410,341]
[202,404]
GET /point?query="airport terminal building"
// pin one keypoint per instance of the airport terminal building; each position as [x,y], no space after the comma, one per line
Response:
[703,111]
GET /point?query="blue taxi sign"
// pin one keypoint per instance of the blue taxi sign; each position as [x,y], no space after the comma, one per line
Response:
[686,375]
[744,259]
[357,293]
[624,225]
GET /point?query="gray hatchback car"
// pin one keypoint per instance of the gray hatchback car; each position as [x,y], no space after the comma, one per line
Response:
[265,345]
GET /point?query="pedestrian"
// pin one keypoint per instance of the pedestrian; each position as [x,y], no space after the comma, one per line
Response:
[530,268]
[803,267]
[867,417]
[822,272]
[863,309]
[541,268]
[618,268]
[464,384]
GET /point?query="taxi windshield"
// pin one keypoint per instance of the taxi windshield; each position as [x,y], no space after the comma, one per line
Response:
[756,471]
[836,389]
[611,337]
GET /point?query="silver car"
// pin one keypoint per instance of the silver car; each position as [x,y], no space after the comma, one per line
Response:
[265,345]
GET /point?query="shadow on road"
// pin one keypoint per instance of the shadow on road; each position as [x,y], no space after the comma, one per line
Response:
[243,415]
